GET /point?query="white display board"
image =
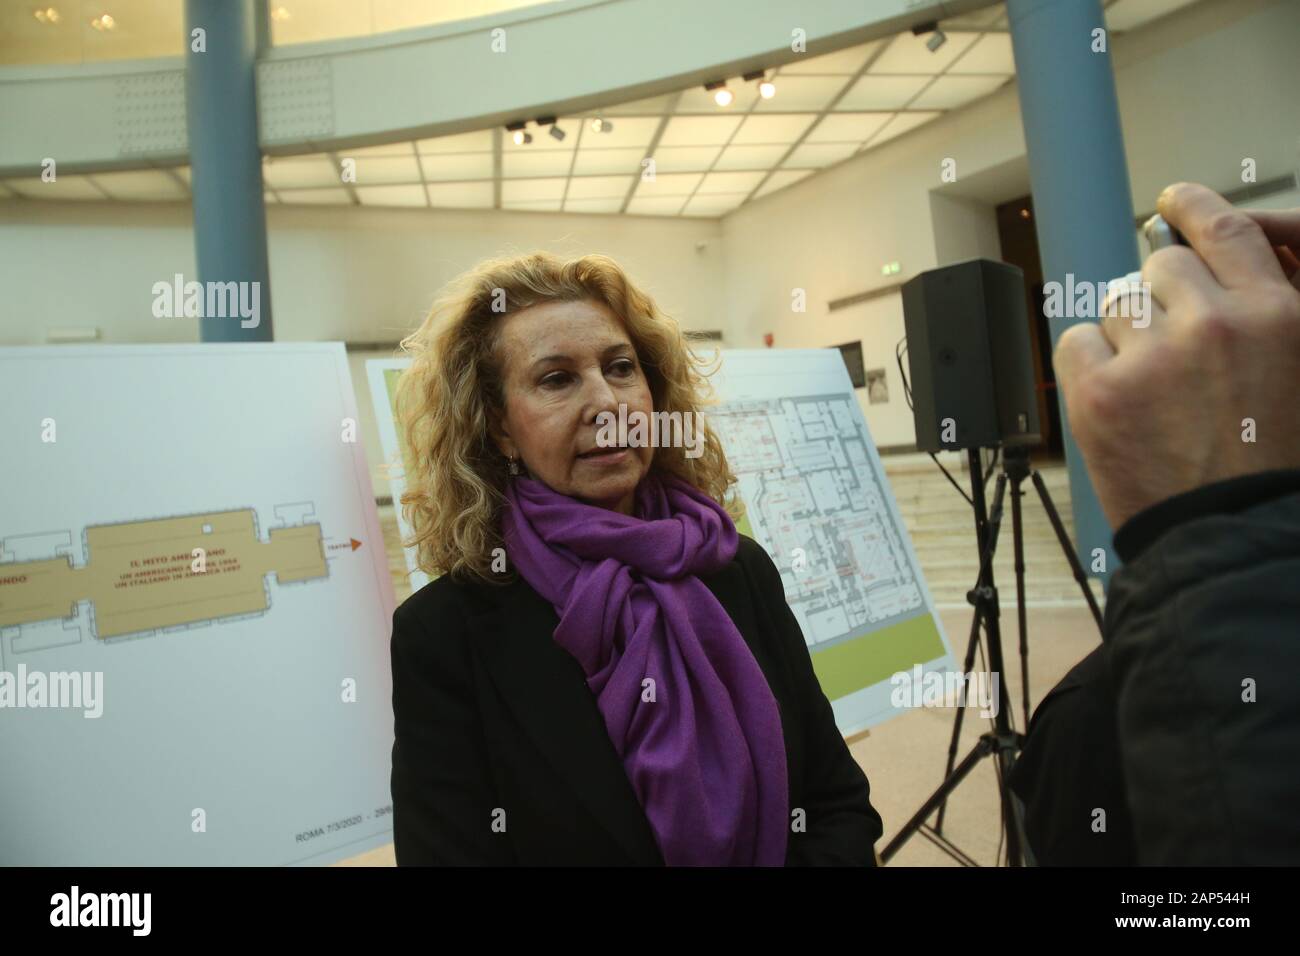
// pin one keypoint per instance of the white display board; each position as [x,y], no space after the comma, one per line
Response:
[192,568]
[382,375]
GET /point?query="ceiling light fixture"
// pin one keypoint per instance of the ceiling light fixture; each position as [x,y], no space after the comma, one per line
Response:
[766,88]
[555,131]
[280,14]
[721,95]
[46,15]
[519,137]
[601,125]
[103,22]
[938,38]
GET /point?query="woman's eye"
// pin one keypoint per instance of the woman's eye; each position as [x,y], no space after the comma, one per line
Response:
[554,380]
[623,367]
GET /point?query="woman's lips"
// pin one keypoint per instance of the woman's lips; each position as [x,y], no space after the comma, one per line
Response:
[604,454]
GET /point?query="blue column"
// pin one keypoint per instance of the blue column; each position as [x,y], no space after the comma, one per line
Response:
[1082,204]
[225,161]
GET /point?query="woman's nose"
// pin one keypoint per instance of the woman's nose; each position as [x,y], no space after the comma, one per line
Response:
[599,396]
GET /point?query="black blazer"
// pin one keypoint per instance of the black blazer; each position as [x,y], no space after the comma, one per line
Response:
[495,725]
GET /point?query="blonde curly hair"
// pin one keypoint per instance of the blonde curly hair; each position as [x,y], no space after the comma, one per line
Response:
[453,391]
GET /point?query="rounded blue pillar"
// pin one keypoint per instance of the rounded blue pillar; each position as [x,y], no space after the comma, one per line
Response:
[226,167]
[1083,207]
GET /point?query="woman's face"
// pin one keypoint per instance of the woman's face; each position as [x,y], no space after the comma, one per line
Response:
[564,364]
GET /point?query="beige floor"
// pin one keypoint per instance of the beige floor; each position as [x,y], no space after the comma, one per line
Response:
[904,758]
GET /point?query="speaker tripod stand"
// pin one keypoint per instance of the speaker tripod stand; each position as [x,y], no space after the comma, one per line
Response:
[1002,742]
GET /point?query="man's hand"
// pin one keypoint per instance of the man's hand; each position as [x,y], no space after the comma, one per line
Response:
[1210,389]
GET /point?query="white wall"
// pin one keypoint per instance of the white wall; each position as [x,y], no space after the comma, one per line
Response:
[350,273]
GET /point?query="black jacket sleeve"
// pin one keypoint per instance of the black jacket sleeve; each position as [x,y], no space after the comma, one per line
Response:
[1203,638]
[841,825]
[441,784]
[1070,768]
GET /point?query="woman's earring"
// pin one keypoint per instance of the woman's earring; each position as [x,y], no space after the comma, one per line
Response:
[513,466]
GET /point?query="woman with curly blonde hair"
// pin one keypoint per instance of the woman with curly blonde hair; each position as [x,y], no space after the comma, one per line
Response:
[606,671]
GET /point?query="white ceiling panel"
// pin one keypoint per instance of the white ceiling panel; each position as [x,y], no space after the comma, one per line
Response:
[876,93]
[300,172]
[699,130]
[63,188]
[750,157]
[441,167]
[142,185]
[990,54]
[950,92]
[544,163]
[676,184]
[592,162]
[600,187]
[685,159]
[820,154]
[847,127]
[782,128]
[1131,14]
[386,170]
[337,196]
[532,190]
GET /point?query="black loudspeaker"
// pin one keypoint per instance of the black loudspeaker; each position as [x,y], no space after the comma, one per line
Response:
[972,376]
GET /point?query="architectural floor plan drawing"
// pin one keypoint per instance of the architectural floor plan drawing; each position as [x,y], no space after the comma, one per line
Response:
[155,574]
[817,500]
[813,494]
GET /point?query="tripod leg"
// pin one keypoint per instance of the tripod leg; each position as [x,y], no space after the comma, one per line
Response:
[1018,541]
[983,748]
[1067,546]
[987,529]
[957,723]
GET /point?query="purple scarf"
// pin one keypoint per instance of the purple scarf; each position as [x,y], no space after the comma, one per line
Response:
[706,757]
